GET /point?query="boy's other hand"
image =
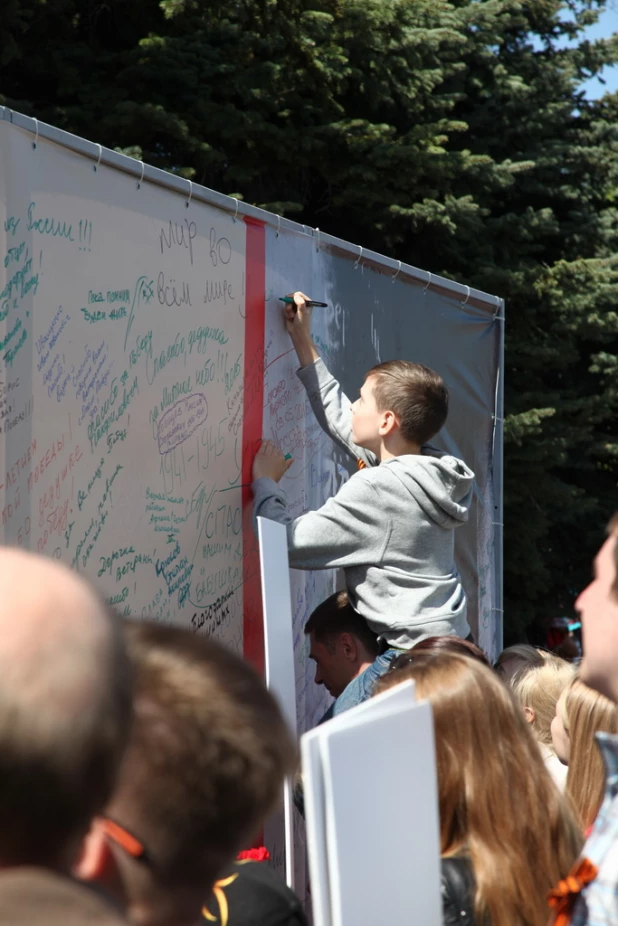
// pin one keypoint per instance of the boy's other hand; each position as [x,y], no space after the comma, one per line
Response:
[298,316]
[270,463]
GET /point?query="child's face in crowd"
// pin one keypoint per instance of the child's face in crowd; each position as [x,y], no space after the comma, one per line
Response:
[366,418]
[559,736]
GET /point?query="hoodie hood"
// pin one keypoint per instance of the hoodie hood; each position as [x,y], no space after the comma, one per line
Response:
[439,483]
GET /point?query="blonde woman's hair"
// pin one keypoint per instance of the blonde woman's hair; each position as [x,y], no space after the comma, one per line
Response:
[539,689]
[498,803]
[585,713]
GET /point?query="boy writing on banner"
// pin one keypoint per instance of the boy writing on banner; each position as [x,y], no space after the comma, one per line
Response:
[391,526]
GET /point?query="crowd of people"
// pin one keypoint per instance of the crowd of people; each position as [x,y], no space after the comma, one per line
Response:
[138,761]
[520,776]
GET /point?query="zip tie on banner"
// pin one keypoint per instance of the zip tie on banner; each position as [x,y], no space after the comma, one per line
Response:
[359,258]
[496,418]
[317,231]
[36,133]
[278,226]
[139,182]
[236,213]
[95,167]
[465,302]
[188,202]
[497,314]
[428,284]
[398,272]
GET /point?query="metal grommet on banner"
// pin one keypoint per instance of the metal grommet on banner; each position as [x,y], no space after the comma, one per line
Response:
[95,167]
[465,302]
[36,133]
[428,284]
[397,273]
[236,213]
[188,202]
[278,226]
[359,258]
[317,231]
[139,182]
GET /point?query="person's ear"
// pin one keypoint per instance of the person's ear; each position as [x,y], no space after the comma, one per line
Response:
[96,857]
[529,714]
[388,423]
[349,646]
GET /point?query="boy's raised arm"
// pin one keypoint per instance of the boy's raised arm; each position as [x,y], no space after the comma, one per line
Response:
[330,405]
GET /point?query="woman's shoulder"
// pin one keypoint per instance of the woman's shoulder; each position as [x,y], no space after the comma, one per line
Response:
[457,891]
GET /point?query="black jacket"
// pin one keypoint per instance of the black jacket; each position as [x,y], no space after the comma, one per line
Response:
[458,892]
[255,895]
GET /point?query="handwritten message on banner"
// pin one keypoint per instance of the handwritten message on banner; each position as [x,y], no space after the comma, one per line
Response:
[122,335]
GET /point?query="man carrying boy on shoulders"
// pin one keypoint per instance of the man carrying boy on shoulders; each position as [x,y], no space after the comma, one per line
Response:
[391,526]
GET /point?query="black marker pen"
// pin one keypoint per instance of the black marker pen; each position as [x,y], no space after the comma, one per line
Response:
[310,303]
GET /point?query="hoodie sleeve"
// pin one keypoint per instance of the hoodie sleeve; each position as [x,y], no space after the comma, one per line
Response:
[343,532]
[331,407]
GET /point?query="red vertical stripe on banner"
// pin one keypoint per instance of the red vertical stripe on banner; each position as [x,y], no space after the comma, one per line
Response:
[253,402]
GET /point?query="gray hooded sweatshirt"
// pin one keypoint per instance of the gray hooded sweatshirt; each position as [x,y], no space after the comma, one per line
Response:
[391,528]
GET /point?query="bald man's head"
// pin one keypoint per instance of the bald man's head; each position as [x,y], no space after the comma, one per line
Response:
[65,708]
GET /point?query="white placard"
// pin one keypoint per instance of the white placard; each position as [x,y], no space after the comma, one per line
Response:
[372,815]
[277,606]
[279,649]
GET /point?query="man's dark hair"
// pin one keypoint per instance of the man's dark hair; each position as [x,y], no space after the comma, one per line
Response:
[415,393]
[207,756]
[335,616]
